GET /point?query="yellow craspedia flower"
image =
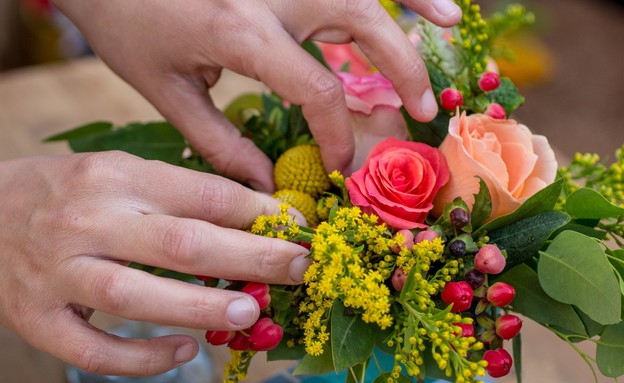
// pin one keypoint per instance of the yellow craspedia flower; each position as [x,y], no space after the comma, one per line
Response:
[300,201]
[301,169]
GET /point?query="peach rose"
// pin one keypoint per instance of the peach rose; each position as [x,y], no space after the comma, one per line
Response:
[513,162]
[398,182]
[375,112]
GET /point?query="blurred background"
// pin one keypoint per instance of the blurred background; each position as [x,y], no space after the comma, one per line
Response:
[569,64]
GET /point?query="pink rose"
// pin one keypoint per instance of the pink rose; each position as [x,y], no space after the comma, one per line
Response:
[375,112]
[339,55]
[513,162]
[398,182]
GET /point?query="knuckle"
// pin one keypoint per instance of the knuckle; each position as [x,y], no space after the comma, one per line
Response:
[91,169]
[362,12]
[323,88]
[221,199]
[88,356]
[179,242]
[266,262]
[112,292]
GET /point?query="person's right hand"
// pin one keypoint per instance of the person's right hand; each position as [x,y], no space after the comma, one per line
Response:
[173,53]
[70,225]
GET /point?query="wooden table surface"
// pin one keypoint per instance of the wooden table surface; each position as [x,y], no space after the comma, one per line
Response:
[37,102]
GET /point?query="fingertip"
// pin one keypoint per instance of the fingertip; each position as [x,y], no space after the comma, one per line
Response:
[450,13]
[242,312]
[185,353]
[428,105]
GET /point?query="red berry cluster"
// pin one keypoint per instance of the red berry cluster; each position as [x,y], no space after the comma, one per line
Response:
[264,335]
[462,295]
[451,99]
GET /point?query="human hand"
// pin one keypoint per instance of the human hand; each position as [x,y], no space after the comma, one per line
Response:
[173,52]
[71,224]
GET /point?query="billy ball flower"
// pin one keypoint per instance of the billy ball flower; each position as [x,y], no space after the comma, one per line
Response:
[301,169]
[398,182]
[301,201]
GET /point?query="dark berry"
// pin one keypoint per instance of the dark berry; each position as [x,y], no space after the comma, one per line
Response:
[459,217]
[475,278]
[457,248]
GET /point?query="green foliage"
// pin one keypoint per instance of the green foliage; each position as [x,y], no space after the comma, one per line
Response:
[587,203]
[575,270]
[524,238]
[507,96]
[431,133]
[543,200]
[352,340]
[482,207]
[610,351]
[532,301]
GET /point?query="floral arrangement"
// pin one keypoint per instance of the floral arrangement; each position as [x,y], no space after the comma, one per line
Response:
[444,233]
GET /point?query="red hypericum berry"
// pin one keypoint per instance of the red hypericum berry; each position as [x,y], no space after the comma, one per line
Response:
[407,242]
[500,294]
[260,292]
[450,99]
[265,335]
[218,338]
[475,278]
[489,81]
[496,111]
[459,217]
[508,326]
[459,294]
[467,329]
[490,260]
[240,342]
[426,235]
[398,279]
[499,362]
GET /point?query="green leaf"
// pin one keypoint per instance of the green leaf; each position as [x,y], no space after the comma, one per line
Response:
[94,128]
[582,228]
[316,365]
[431,133]
[248,101]
[281,299]
[482,207]
[507,96]
[315,51]
[524,238]
[517,356]
[610,351]
[283,352]
[359,371]
[587,203]
[439,81]
[592,328]
[383,378]
[575,270]
[352,341]
[540,202]
[533,302]
[152,141]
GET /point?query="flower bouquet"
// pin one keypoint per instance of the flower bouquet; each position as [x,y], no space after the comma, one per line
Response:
[444,232]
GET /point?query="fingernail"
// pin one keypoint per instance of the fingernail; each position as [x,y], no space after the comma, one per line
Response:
[185,353]
[298,267]
[428,104]
[446,7]
[242,312]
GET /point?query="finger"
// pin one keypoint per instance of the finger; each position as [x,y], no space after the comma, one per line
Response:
[187,105]
[133,294]
[164,189]
[70,338]
[201,248]
[444,13]
[317,90]
[386,45]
